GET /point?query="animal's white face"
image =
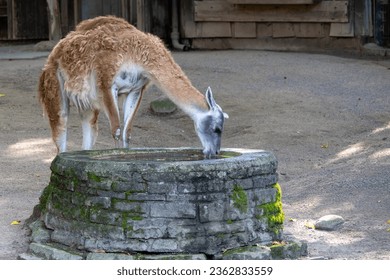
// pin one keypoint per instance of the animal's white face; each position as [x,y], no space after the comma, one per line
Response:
[209,127]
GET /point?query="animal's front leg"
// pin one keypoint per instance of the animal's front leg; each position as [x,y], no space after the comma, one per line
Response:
[110,100]
[130,107]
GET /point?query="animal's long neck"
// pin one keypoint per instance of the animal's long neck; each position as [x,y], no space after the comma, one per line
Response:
[172,80]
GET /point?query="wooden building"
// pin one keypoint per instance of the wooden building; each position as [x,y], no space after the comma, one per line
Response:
[285,24]
[219,24]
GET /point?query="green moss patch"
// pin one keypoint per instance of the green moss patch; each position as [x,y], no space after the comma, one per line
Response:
[240,199]
[273,211]
[93,177]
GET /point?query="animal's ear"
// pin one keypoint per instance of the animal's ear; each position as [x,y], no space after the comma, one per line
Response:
[211,102]
[210,99]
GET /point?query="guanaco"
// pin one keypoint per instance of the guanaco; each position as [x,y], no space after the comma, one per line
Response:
[106,58]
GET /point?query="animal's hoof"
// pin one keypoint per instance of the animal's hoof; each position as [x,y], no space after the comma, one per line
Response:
[117,134]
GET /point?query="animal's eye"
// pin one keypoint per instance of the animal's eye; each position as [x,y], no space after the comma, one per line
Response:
[218,130]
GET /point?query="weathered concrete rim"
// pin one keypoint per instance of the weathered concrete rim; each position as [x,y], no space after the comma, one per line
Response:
[242,158]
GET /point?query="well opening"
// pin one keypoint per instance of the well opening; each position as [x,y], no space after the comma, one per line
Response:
[159,155]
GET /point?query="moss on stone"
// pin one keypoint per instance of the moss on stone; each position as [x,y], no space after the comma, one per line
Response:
[277,251]
[238,250]
[287,250]
[45,197]
[240,199]
[227,154]
[136,217]
[125,226]
[93,177]
[273,211]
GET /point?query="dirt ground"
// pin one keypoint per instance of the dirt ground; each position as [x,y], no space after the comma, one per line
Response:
[326,118]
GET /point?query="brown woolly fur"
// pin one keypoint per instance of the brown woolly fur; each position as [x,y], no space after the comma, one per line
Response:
[113,22]
[88,60]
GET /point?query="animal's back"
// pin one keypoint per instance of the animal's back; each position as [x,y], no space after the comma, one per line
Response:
[114,23]
[87,50]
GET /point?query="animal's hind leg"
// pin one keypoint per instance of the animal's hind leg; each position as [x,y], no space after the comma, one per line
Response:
[60,128]
[90,128]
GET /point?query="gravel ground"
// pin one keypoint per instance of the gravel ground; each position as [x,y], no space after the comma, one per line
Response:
[326,118]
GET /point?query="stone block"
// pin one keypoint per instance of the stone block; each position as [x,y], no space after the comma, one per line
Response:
[67,238]
[173,210]
[129,187]
[129,206]
[248,253]
[209,212]
[108,217]
[173,257]
[109,256]
[164,245]
[161,188]
[116,246]
[100,201]
[51,253]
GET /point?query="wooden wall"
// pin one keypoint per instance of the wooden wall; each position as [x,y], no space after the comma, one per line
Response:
[240,23]
[152,16]
[21,19]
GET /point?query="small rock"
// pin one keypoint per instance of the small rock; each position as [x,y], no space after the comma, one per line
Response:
[162,106]
[329,222]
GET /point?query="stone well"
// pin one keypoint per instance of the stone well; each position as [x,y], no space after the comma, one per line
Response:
[157,201]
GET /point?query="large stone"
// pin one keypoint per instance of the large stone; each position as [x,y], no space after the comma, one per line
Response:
[329,222]
[163,106]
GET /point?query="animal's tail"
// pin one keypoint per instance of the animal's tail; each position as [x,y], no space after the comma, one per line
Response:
[49,96]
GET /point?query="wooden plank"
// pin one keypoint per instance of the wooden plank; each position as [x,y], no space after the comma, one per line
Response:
[213,29]
[10,19]
[133,12]
[277,44]
[263,30]
[64,14]
[309,30]
[274,2]
[143,15]
[342,30]
[187,19]
[244,30]
[76,11]
[282,30]
[325,11]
